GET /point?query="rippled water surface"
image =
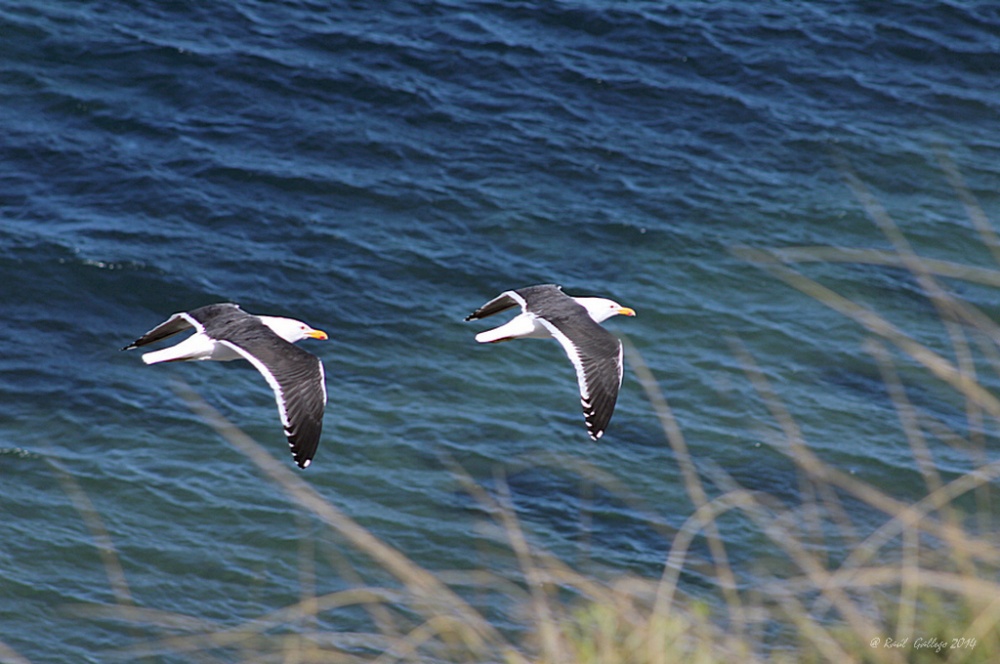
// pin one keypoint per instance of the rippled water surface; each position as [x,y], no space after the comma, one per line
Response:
[380,171]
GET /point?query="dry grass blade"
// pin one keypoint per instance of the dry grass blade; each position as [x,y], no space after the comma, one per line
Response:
[137,615]
[907,414]
[545,621]
[102,538]
[811,629]
[694,524]
[893,575]
[928,266]
[878,325]
[597,476]
[204,636]
[554,567]
[431,597]
[944,579]
[973,209]
[695,489]
[782,532]
[918,515]
[940,268]
[919,448]
[607,623]
[951,309]
[10,656]
[903,514]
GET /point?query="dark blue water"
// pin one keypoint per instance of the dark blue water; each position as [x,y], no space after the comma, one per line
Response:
[381,170]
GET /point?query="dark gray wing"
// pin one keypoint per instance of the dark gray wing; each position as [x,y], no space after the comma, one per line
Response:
[521,297]
[596,355]
[296,376]
[203,319]
[217,319]
[549,299]
[176,323]
[501,302]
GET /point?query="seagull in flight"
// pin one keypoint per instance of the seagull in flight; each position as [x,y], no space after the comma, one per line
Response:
[574,322]
[224,332]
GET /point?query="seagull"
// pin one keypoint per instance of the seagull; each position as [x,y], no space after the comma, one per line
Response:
[224,332]
[575,323]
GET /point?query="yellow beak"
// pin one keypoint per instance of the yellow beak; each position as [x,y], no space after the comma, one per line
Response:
[317,334]
[627,311]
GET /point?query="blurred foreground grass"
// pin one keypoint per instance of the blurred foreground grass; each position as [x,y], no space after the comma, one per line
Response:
[920,587]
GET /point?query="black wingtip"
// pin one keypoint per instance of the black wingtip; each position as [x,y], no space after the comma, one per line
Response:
[303,453]
[301,457]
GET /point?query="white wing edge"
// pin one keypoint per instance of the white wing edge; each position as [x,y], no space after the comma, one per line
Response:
[322,379]
[574,357]
[621,363]
[514,295]
[186,316]
[279,396]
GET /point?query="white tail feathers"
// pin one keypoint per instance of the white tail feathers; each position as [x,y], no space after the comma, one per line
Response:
[195,347]
[165,355]
[492,336]
[523,325]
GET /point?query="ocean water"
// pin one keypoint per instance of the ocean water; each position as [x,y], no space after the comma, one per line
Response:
[379,170]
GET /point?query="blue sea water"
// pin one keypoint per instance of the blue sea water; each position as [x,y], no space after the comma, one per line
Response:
[380,170]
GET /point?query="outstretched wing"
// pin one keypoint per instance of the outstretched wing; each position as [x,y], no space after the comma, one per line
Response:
[176,323]
[298,381]
[501,302]
[527,298]
[203,319]
[596,355]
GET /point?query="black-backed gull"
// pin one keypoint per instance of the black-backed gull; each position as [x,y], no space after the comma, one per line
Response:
[575,323]
[225,332]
